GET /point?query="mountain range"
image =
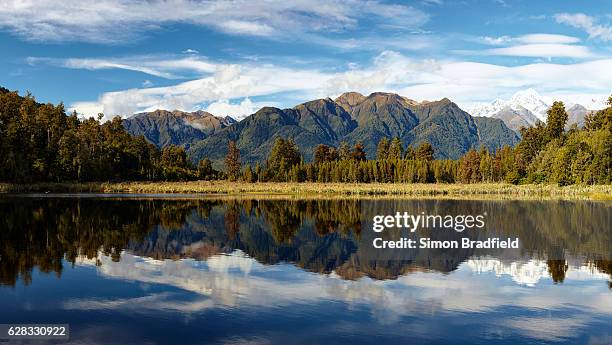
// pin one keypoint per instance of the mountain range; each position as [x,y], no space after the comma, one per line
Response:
[352,118]
[525,108]
[163,128]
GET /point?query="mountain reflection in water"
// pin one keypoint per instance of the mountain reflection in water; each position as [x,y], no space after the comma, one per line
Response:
[192,257]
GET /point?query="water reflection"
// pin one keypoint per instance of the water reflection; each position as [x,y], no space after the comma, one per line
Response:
[317,235]
[302,271]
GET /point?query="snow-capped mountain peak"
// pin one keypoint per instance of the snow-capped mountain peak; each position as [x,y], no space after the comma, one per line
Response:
[531,100]
[528,99]
[525,107]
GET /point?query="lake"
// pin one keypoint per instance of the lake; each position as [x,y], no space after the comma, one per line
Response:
[250,270]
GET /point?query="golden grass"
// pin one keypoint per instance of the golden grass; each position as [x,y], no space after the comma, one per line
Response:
[486,190]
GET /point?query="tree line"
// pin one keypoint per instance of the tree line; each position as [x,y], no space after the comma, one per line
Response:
[41,143]
[546,154]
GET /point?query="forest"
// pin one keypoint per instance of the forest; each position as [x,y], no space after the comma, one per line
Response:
[41,143]
[546,154]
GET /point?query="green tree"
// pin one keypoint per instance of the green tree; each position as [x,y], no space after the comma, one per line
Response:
[424,152]
[382,150]
[284,155]
[410,154]
[232,161]
[205,170]
[247,175]
[395,149]
[344,151]
[555,122]
[324,153]
[358,153]
[469,167]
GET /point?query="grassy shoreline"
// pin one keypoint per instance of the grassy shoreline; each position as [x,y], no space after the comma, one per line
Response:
[599,192]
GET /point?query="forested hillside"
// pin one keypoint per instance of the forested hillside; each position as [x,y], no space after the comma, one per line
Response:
[354,118]
[164,128]
[39,142]
[546,154]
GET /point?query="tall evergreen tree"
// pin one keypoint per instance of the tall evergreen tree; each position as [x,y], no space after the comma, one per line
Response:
[283,156]
[395,149]
[555,122]
[425,152]
[232,161]
[344,151]
[358,153]
[382,150]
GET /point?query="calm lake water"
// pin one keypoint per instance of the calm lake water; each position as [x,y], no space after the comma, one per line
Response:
[131,270]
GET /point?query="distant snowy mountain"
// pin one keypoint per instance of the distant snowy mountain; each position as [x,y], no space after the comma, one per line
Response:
[525,108]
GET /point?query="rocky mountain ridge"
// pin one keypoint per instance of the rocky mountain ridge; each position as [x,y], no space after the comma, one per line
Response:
[351,118]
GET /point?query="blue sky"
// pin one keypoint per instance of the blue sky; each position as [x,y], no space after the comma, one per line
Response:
[232,57]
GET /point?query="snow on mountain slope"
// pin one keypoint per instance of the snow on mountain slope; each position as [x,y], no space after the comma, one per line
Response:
[528,99]
[526,107]
[531,100]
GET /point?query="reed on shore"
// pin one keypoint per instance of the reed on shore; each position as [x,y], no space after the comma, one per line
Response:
[600,192]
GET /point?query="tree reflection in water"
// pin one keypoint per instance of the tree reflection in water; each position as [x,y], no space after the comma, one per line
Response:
[317,235]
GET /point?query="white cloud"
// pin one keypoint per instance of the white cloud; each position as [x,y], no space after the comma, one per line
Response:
[533,45]
[541,50]
[109,21]
[237,111]
[238,281]
[586,23]
[536,38]
[547,39]
[159,66]
[87,109]
[461,81]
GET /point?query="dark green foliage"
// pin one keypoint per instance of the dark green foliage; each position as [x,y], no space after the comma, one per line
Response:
[555,122]
[354,118]
[545,154]
[232,161]
[395,149]
[344,151]
[206,171]
[163,128]
[382,150]
[248,175]
[424,152]
[494,133]
[324,153]
[284,155]
[38,142]
[601,119]
[358,153]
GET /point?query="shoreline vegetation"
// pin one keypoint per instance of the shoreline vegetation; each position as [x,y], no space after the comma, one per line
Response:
[314,189]
[44,150]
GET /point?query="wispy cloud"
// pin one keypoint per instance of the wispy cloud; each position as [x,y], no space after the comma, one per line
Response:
[538,38]
[113,21]
[533,45]
[586,23]
[169,67]
[541,50]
